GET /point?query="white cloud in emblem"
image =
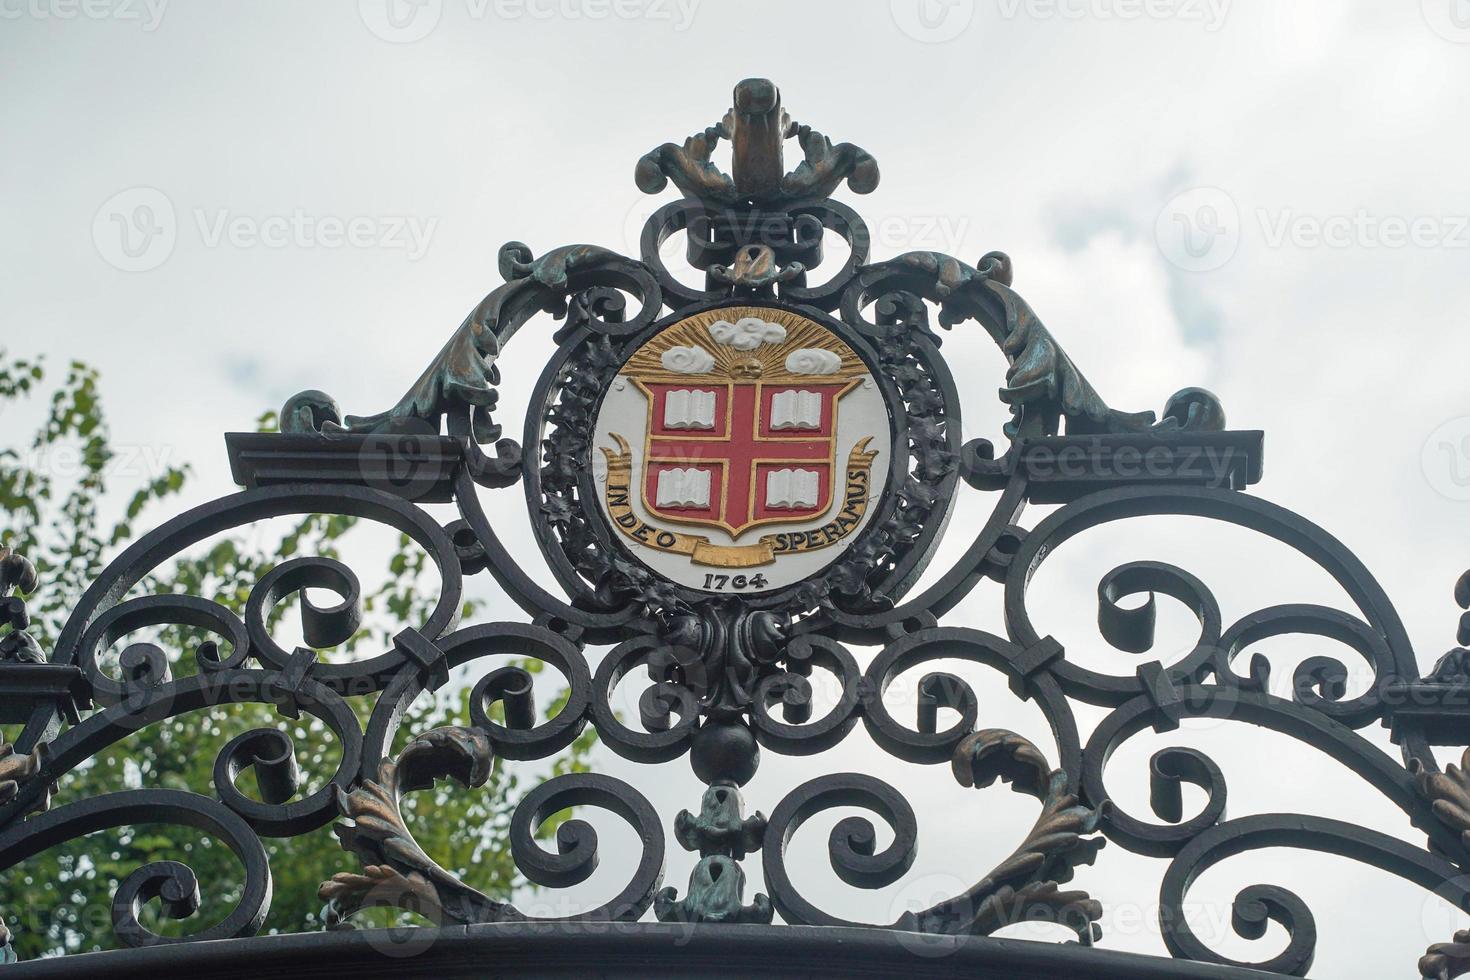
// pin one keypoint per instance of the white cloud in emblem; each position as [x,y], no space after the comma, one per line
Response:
[688,360]
[813,360]
[747,333]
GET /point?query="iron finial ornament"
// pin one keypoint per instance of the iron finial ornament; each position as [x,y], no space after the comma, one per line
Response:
[738,488]
[757,128]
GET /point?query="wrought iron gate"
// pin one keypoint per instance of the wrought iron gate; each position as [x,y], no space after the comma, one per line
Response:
[733,485]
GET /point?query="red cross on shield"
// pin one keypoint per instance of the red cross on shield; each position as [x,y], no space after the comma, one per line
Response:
[737,454]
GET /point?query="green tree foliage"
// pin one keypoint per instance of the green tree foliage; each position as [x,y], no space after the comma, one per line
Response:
[53,491]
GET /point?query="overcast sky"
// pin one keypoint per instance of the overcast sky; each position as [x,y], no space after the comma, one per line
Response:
[221,203]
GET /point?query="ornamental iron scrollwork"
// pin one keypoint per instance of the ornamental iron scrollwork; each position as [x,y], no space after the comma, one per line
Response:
[737,487]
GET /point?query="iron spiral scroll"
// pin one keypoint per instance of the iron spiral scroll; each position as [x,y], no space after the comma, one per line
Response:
[730,670]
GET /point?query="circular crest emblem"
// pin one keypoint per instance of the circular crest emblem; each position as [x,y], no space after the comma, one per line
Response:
[741,449]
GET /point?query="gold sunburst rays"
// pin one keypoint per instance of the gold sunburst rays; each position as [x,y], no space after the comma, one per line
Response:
[764,363]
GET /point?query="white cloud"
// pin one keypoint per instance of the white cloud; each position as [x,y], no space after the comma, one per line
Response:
[813,360]
[747,333]
[688,360]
